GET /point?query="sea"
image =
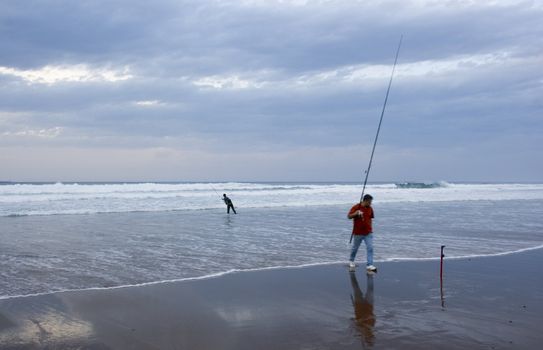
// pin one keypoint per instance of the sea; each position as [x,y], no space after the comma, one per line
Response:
[79,236]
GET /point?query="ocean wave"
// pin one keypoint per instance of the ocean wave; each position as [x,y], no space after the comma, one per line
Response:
[53,199]
[82,188]
[469,256]
[422,184]
[15,215]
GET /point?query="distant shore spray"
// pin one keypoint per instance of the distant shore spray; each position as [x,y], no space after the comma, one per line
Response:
[380,122]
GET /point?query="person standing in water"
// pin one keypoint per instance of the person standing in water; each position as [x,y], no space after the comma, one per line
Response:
[228,203]
[362,215]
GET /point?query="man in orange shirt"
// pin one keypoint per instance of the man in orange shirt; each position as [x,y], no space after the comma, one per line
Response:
[362,215]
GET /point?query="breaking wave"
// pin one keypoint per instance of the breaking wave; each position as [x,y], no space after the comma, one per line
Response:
[422,184]
[23,199]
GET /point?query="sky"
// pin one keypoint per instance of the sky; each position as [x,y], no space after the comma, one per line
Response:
[271,90]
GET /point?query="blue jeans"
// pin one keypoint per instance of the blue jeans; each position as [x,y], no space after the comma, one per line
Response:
[357,240]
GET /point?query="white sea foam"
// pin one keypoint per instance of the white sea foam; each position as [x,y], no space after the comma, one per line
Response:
[232,271]
[469,256]
[54,199]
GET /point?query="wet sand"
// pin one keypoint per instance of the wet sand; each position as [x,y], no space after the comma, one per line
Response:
[485,303]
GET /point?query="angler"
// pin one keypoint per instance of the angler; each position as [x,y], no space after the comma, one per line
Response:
[362,213]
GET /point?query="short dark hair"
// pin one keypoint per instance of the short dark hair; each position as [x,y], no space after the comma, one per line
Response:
[367,197]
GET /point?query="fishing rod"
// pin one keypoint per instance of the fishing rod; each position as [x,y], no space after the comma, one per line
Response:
[215,190]
[380,122]
[381,119]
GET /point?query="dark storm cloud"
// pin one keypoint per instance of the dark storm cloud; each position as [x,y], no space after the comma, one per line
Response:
[270,75]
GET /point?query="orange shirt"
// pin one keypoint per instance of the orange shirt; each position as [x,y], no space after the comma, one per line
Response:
[362,225]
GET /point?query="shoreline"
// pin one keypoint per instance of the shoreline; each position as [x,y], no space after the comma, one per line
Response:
[287,267]
[490,302]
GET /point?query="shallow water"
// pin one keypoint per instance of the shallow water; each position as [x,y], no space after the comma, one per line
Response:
[43,253]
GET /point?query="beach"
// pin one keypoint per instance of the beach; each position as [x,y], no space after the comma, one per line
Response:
[484,303]
[184,175]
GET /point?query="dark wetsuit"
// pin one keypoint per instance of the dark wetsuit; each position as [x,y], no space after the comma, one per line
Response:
[229,205]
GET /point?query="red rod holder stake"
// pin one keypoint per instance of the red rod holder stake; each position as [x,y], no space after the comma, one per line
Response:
[441,278]
[441,269]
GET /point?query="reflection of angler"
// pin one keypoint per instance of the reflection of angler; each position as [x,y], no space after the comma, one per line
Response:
[363,309]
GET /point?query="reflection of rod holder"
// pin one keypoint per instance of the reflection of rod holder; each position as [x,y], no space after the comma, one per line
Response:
[441,278]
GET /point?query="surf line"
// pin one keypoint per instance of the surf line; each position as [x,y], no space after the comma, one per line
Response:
[380,122]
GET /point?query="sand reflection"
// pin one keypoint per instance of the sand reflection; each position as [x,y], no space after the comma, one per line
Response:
[364,318]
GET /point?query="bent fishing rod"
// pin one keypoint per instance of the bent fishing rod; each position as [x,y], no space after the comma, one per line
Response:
[380,122]
[215,190]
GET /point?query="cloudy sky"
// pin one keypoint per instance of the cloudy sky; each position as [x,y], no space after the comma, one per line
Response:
[270,90]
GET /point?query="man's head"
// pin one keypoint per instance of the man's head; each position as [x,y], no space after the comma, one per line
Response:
[367,199]
[224,194]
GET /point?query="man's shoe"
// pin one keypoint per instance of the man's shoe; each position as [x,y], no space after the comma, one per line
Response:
[352,265]
[371,268]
